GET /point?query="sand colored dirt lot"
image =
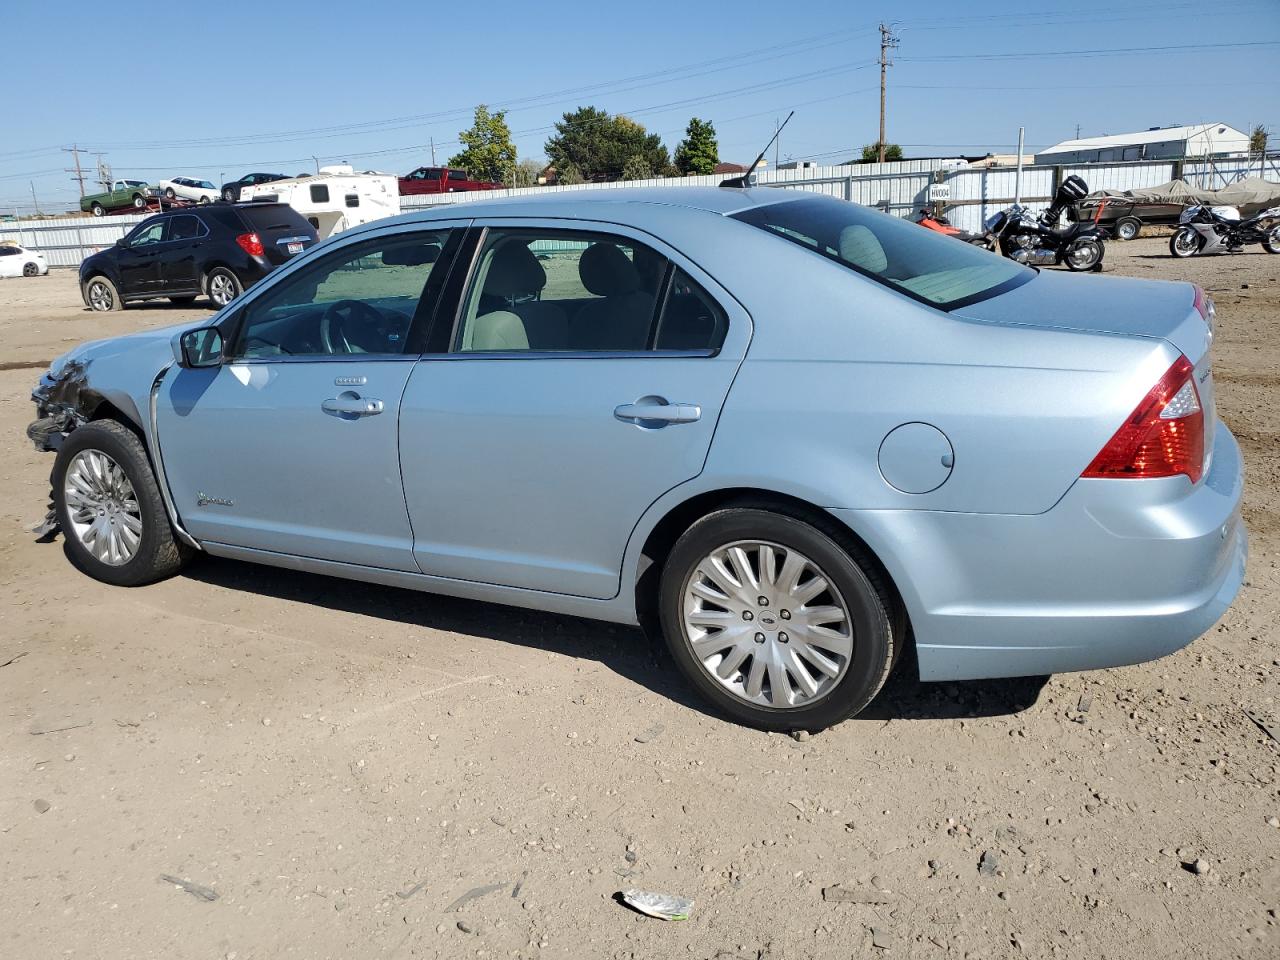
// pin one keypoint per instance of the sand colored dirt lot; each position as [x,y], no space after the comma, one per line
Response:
[354,771]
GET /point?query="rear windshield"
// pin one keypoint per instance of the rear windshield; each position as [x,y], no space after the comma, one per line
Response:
[921,263]
[275,218]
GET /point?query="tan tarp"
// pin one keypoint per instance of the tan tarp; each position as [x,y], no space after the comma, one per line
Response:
[1250,195]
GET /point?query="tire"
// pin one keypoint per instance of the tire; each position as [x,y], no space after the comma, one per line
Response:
[1127,228]
[30,269]
[182,301]
[143,527]
[97,210]
[1085,254]
[228,196]
[169,194]
[203,200]
[1272,243]
[1184,243]
[222,286]
[101,295]
[855,589]
[139,201]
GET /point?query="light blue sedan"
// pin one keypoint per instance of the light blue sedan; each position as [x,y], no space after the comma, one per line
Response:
[796,435]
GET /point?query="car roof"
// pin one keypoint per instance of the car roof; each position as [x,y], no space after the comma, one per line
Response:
[588,203]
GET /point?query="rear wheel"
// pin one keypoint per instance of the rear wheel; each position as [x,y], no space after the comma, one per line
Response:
[228,195]
[139,201]
[1128,228]
[102,296]
[1085,254]
[774,622]
[223,287]
[1272,243]
[96,210]
[169,194]
[30,269]
[110,510]
[1184,243]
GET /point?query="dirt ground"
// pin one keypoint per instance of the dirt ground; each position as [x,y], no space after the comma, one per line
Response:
[357,771]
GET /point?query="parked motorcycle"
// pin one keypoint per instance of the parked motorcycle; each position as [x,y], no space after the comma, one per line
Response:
[1207,230]
[1038,241]
[940,224]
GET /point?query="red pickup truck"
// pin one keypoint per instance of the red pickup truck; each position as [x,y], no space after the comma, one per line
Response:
[441,180]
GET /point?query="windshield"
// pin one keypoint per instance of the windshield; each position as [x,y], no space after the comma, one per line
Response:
[921,263]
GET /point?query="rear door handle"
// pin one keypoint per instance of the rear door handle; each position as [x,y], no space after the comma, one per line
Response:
[350,405]
[657,410]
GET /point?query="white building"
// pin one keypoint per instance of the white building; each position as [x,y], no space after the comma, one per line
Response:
[1158,143]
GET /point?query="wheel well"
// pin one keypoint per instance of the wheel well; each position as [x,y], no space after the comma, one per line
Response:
[106,410]
[657,546]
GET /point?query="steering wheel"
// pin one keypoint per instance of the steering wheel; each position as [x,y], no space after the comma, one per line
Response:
[336,317]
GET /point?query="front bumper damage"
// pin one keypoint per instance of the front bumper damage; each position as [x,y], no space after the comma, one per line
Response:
[62,403]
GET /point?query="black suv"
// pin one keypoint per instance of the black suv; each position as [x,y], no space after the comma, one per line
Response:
[217,249]
[231,191]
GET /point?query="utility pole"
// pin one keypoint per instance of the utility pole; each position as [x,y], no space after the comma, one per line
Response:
[775,143]
[1077,131]
[887,42]
[104,172]
[34,202]
[74,150]
[433,151]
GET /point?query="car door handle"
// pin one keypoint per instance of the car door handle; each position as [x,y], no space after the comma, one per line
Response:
[657,410]
[352,406]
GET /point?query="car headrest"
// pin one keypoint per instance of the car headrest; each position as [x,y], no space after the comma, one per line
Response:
[514,271]
[859,246]
[607,272]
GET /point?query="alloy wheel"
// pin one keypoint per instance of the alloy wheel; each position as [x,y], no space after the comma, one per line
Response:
[102,507]
[30,269]
[100,296]
[767,624]
[1083,254]
[221,291]
[1186,242]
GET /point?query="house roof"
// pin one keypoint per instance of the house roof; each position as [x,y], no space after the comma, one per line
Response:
[1159,135]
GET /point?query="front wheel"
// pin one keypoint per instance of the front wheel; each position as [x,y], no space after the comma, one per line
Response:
[97,210]
[774,621]
[110,510]
[1272,243]
[1184,243]
[1085,254]
[223,287]
[102,296]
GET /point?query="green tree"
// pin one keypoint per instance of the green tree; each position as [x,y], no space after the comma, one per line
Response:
[527,172]
[599,145]
[698,152]
[488,152]
[1258,141]
[871,152]
[569,174]
[636,168]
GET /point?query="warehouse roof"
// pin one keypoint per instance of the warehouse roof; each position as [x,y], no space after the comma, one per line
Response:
[1158,135]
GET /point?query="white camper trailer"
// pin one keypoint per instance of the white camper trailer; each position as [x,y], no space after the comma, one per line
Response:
[333,199]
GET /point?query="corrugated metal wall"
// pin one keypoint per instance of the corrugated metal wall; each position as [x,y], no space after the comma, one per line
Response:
[899,187]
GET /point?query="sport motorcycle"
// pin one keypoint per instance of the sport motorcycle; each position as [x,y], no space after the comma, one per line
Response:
[1205,230]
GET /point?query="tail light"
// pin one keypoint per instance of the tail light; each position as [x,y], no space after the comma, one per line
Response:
[1163,437]
[251,243]
[1204,305]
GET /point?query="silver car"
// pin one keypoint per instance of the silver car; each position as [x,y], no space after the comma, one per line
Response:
[797,436]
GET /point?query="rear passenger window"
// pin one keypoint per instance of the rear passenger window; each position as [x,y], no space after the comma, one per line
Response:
[560,291]
[185,227]
[691,320]
[319,193]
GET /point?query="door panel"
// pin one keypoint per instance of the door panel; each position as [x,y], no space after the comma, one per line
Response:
[254,459]
[518,472]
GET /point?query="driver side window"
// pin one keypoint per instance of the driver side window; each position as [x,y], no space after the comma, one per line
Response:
[360,300]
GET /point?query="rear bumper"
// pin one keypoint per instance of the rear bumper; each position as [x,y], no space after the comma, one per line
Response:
[1118,572]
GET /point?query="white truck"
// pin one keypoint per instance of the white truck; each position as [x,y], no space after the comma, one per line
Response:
[334,199]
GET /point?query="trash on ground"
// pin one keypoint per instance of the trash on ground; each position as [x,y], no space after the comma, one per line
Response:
[842,894]
[664,906]
[475,893]
[195,889]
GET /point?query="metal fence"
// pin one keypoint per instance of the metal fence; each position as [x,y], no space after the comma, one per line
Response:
[897,187]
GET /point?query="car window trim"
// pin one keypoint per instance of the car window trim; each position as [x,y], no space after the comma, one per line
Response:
[233,332]
[448,349]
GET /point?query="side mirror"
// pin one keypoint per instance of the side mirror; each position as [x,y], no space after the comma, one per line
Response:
[198,348]
[120,242]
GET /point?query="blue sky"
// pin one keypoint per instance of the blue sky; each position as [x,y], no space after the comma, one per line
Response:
[224,89]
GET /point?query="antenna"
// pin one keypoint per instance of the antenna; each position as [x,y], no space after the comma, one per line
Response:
[745,179]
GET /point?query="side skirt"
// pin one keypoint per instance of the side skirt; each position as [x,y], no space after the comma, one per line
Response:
[610,610]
